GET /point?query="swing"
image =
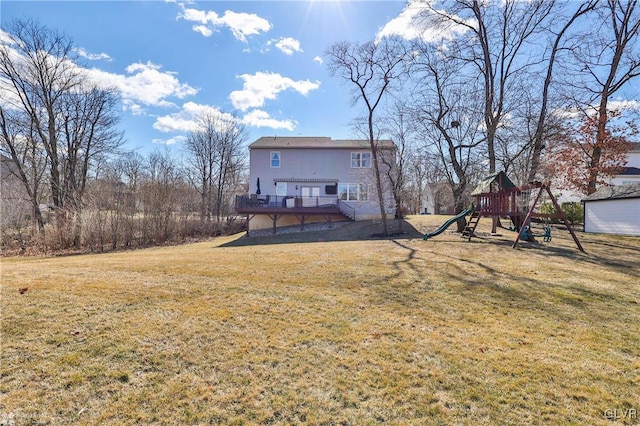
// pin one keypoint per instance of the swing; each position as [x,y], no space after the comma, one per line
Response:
[528,235]
[547,233]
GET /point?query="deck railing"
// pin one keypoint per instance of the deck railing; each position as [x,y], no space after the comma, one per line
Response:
[287,201]
[254,203]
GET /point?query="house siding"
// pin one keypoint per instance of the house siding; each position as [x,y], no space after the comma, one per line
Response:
[313,166]
[631,175]
[617,216]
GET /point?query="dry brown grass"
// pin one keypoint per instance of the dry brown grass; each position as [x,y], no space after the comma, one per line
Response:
[327,328]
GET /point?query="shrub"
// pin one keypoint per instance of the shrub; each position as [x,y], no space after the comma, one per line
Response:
[574,211]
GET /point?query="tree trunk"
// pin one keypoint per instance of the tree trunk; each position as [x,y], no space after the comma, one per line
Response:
[458,205]
[374,155]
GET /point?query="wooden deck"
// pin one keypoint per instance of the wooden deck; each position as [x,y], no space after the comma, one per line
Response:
[275,207]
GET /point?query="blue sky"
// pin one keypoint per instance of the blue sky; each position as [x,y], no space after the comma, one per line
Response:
[260,60]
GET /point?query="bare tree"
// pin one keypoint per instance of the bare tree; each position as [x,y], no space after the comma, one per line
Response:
[370,67]
[214,155]
[36,70]
[65,115]
[160,197]
[608,63]
[495,40]
[14,211]
[447,119]
[28,160]
[131,168]
[397,124]
[420,173]
[89,130]
[538,139]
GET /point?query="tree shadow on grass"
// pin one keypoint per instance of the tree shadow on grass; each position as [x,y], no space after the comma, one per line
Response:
[484,283]
[421,272]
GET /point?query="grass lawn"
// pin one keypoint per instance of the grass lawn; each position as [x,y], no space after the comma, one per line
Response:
[333,327]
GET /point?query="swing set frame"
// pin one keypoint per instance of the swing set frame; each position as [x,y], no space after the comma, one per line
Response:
[507,201]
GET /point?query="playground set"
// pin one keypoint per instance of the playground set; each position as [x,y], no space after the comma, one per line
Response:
[497,196]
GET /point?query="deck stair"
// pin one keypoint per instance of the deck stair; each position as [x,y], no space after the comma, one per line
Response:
[347,211]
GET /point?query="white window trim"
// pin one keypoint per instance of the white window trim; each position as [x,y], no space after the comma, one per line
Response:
[271,159]
[361,193]
[359,157]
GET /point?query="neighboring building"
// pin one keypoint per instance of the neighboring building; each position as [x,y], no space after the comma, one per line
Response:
[295,180]
[437,198]
[631,172]
[613,210]
[428,200]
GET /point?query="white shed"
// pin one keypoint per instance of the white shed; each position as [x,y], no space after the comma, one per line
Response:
[613,210]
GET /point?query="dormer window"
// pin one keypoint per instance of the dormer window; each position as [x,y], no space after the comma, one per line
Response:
[360,160]
[275,159]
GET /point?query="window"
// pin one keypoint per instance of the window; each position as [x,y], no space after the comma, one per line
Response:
[281,189]
[360,160]
[275,159]
[352,192]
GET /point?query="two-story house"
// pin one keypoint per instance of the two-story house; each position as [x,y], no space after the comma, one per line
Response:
[298,180]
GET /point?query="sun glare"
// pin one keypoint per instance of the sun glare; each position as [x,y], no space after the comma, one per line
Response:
[319,11]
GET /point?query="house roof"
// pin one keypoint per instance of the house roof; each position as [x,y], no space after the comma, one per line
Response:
[485,184]
[316,142]
[7,166]
[615,192]
[630,171]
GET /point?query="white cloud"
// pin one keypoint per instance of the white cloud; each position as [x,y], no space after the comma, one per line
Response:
[203,29]
[92,56]
[144,85]
[260,87]
[186,119]
[318,59]
[5,38]
[245,24]
[415,23]
[171,141]
[258,118]
[241,25]
[288,45]
[624,105]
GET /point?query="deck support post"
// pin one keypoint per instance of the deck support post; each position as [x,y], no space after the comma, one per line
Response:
[301,219]
[249,217]
[274,218]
